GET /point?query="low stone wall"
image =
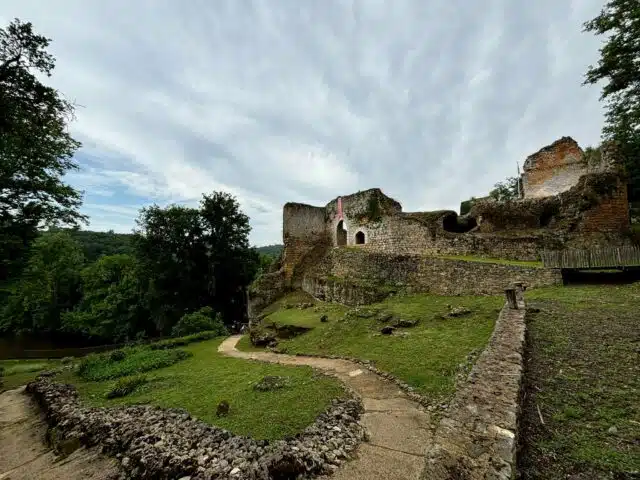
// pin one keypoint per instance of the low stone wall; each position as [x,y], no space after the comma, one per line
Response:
[419,273]
[155,443]
[343,291]
[477,437]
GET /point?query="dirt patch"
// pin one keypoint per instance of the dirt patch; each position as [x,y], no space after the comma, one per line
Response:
[581,415]
[25,456]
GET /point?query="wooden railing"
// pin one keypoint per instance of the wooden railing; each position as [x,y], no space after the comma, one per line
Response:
[612,257]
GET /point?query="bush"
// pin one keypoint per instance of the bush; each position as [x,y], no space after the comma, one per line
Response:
[181,341]
[203,320]
[125,386]
[137,360]
[117,355]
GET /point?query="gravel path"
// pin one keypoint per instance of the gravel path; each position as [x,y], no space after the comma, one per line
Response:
[399,430]
[23,454]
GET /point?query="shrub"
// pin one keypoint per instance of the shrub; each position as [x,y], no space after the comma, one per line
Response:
[117,355]
[203,320]
[137,360]
[67,360]
[181,341]
[125,386]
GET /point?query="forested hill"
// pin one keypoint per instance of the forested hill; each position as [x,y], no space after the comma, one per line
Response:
[97,244]
[270,250]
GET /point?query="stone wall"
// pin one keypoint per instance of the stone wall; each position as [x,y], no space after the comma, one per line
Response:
[477,437]
[419,273]
[265,290]
[303,227]
[611,214]
[554,169]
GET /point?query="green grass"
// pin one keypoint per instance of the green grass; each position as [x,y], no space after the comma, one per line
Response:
[584,376]
[20,372]
[427,358]
[518,263]
[206,378]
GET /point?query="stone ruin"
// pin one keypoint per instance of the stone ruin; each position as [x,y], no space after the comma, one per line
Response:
[568,199]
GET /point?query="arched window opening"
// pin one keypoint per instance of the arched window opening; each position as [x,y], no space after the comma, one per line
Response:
[360,238]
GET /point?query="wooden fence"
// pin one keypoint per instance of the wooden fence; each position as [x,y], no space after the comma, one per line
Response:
[595,258]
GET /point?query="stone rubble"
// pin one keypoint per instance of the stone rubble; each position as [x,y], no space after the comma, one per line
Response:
[157,443]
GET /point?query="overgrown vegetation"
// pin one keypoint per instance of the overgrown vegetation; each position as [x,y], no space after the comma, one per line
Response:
[426,356]
[127,361]
[204,320]
[499,261]
[581,409]
[125,386]
[619,24]
[204,379]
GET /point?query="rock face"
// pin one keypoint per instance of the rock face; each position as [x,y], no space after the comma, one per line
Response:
[168,443]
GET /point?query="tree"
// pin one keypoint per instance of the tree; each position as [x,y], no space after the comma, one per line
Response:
[36,149]
[505,191]
[195,257]
[111,308]
[48,286]
[619,65]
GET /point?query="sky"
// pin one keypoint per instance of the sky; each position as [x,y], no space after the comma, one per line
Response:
[433,101]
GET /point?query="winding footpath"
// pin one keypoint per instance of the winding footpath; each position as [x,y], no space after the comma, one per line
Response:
[399,430]
[24,454]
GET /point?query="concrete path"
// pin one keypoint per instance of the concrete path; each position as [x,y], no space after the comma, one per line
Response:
[400,432]
[24,455]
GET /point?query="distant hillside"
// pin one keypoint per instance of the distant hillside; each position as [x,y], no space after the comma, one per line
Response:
[270,250]
[97,244]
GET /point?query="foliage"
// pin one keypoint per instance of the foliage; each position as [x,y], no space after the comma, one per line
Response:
[125,386]
[202,381]
[506,190]
[97,367]
[112,305]
[204,320]
[48,287]
[98,244]
[182,341]
[270,250]
[193,257]
[36,149]
[618,65]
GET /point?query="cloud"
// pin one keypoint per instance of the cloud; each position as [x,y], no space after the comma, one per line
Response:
[277,101]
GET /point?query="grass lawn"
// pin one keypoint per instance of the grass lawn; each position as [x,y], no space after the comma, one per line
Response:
[519,263]
[199,382]
[21,372]
[427,357]
[583,373]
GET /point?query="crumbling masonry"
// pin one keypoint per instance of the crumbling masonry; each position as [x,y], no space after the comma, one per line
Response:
[359,247]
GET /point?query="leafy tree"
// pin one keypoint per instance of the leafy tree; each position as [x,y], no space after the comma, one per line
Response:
[36,149]
[192,257]
[506,190]
[48,286]
[204,320]
[111,308]
[619,65]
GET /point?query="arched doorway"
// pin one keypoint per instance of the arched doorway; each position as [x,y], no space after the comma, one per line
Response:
[341,234]
[360,238]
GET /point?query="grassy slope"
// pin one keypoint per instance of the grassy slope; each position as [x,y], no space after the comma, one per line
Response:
[427,358]
[584,375]
[468,258]
[200,382]
[21,372]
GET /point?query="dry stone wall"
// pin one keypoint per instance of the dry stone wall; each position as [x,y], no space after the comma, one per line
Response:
[477,437]
[419,273]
